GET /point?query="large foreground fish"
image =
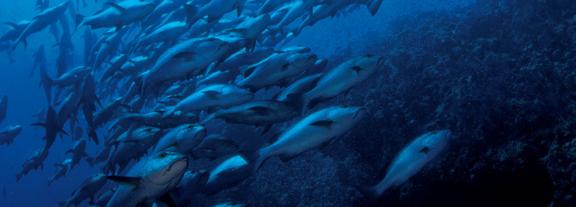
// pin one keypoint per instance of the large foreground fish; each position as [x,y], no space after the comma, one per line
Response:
[149,180]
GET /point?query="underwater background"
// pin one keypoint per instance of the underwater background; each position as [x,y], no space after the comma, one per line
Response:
[499,74]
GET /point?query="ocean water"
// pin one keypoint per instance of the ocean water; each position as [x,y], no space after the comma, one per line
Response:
[498,75]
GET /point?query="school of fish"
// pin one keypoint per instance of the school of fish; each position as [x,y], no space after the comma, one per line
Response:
[158,79]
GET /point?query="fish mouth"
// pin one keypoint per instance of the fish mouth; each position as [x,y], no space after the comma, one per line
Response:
[360,111]
[176,163]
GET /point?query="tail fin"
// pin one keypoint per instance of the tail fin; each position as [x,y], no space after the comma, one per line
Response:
[368,192]
[259,158]
[93,135]
[140,83]
[374,6]
[79,19]
[90,161]
[208,118]
[46,82]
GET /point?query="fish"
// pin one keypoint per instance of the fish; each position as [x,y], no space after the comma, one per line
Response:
[252,28]
[213,96]
[4,193]
[71,77]
[102,156]
[89,101]
[276,69]
[131,146]
[89,42]
[230,204]
[109,112]
[86,191]
[103,198]
[229,173]
[41,21]
[215,146]
[312,131]
[14,31]
[342,78]
[159,119]
[185,59]
[296,9]
[216,9]
[412,158]
[106,47]
[271,5]
[69,107]
[39,59]
[78,151]
[243,58]
[118,14]
[182,139]
[167,32]
[323,11]
[8,134]
[63,169]
[114,67]
[151,78]
[294,92]
[191,183]
[51,127]
[33,163]
[374,6]
[215,77]
[259,113]
[149,180]
[3,108]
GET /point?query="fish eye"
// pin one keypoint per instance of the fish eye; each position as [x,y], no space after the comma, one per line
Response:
[163,154]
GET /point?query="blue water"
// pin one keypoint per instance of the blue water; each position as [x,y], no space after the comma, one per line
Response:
[351,34]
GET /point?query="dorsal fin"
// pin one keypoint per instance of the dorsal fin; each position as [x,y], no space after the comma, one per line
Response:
[116,6]
[11,24]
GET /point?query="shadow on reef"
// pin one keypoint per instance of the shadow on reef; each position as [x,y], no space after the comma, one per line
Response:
[529,186]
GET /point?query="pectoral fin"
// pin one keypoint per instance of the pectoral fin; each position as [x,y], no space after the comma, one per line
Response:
[260,110]
[11,24]
[184,55]
[323,123]
[125,180]
[239,8]
[211,94]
